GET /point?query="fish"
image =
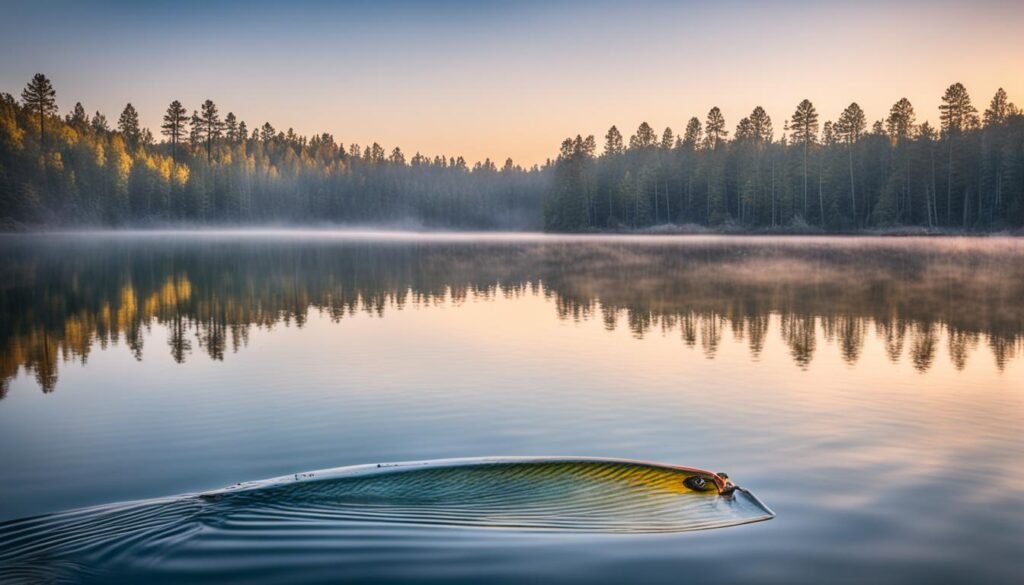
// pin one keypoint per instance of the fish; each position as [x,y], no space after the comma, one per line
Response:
[406,500]
[542,493]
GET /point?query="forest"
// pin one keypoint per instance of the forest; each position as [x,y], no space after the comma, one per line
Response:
[816,175]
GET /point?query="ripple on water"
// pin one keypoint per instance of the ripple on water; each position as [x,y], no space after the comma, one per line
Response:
[543,494]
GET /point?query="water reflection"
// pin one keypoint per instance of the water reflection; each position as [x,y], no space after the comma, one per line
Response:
[64,295]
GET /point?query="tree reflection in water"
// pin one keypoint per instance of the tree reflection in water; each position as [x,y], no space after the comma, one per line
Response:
[63,295]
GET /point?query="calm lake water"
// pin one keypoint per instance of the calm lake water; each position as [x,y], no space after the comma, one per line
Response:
[871,391]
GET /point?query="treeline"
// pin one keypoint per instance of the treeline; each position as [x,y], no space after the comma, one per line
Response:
[81,169]
[837,175]
[821,175]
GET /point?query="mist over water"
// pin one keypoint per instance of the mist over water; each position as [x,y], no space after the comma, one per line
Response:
[868,390]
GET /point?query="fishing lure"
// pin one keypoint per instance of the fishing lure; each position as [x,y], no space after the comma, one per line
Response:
[565,493]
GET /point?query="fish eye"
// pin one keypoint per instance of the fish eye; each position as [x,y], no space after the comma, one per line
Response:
[697,483]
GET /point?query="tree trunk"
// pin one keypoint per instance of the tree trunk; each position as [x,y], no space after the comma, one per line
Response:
[805,177]
[949,184]
[934,194]
[853,185]
[668,208]
[609,206]
[657,210]
[821,196]
[966,196]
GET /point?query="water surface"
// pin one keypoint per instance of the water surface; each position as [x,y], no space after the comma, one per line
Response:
[869,390]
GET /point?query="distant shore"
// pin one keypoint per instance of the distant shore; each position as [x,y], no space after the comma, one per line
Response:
[806,230]
[13,227]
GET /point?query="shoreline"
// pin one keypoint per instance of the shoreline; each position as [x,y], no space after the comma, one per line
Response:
[15,228]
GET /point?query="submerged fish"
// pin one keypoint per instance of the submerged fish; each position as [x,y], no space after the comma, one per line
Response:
[558,493]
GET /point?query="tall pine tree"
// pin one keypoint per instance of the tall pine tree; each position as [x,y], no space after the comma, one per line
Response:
[40,99]
[173,126]
[804,125]
[128,124]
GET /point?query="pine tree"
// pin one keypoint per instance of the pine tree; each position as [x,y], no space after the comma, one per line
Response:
[900,127]
[613,142]
[128,124]
[900,123]
[376,155]
[849,128]
[267,133]
[645,137]
[398,158]
[804,125]
[999,109]
[714,139]
[692,138]
[692,134]
[714,129]
[40,99]
[99,123]
[78,118]
[668,139]
[173,127]
[211,128]
[761,134]
[195,130]
[231,128]
[957,114]
[761,126]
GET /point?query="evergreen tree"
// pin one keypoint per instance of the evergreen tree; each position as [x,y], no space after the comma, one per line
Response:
[173,127]
[744,130]
[999,109]
[900,126]
[267,134]
[41,100]
[397,158]
[231,128]
[714,140]
[195,130]
[804,125]
[613,142]
[99,123]
[128,125]
[900,123]
[668,139]
[692,138]
[645,137]
[692,135]
[210,127]
[761,125]
[714,129]
[78,118]
[849,128]
[956,114]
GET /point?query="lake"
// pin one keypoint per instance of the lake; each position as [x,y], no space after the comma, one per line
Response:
[871,391]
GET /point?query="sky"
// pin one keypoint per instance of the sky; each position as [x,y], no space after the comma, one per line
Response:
[509,79]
